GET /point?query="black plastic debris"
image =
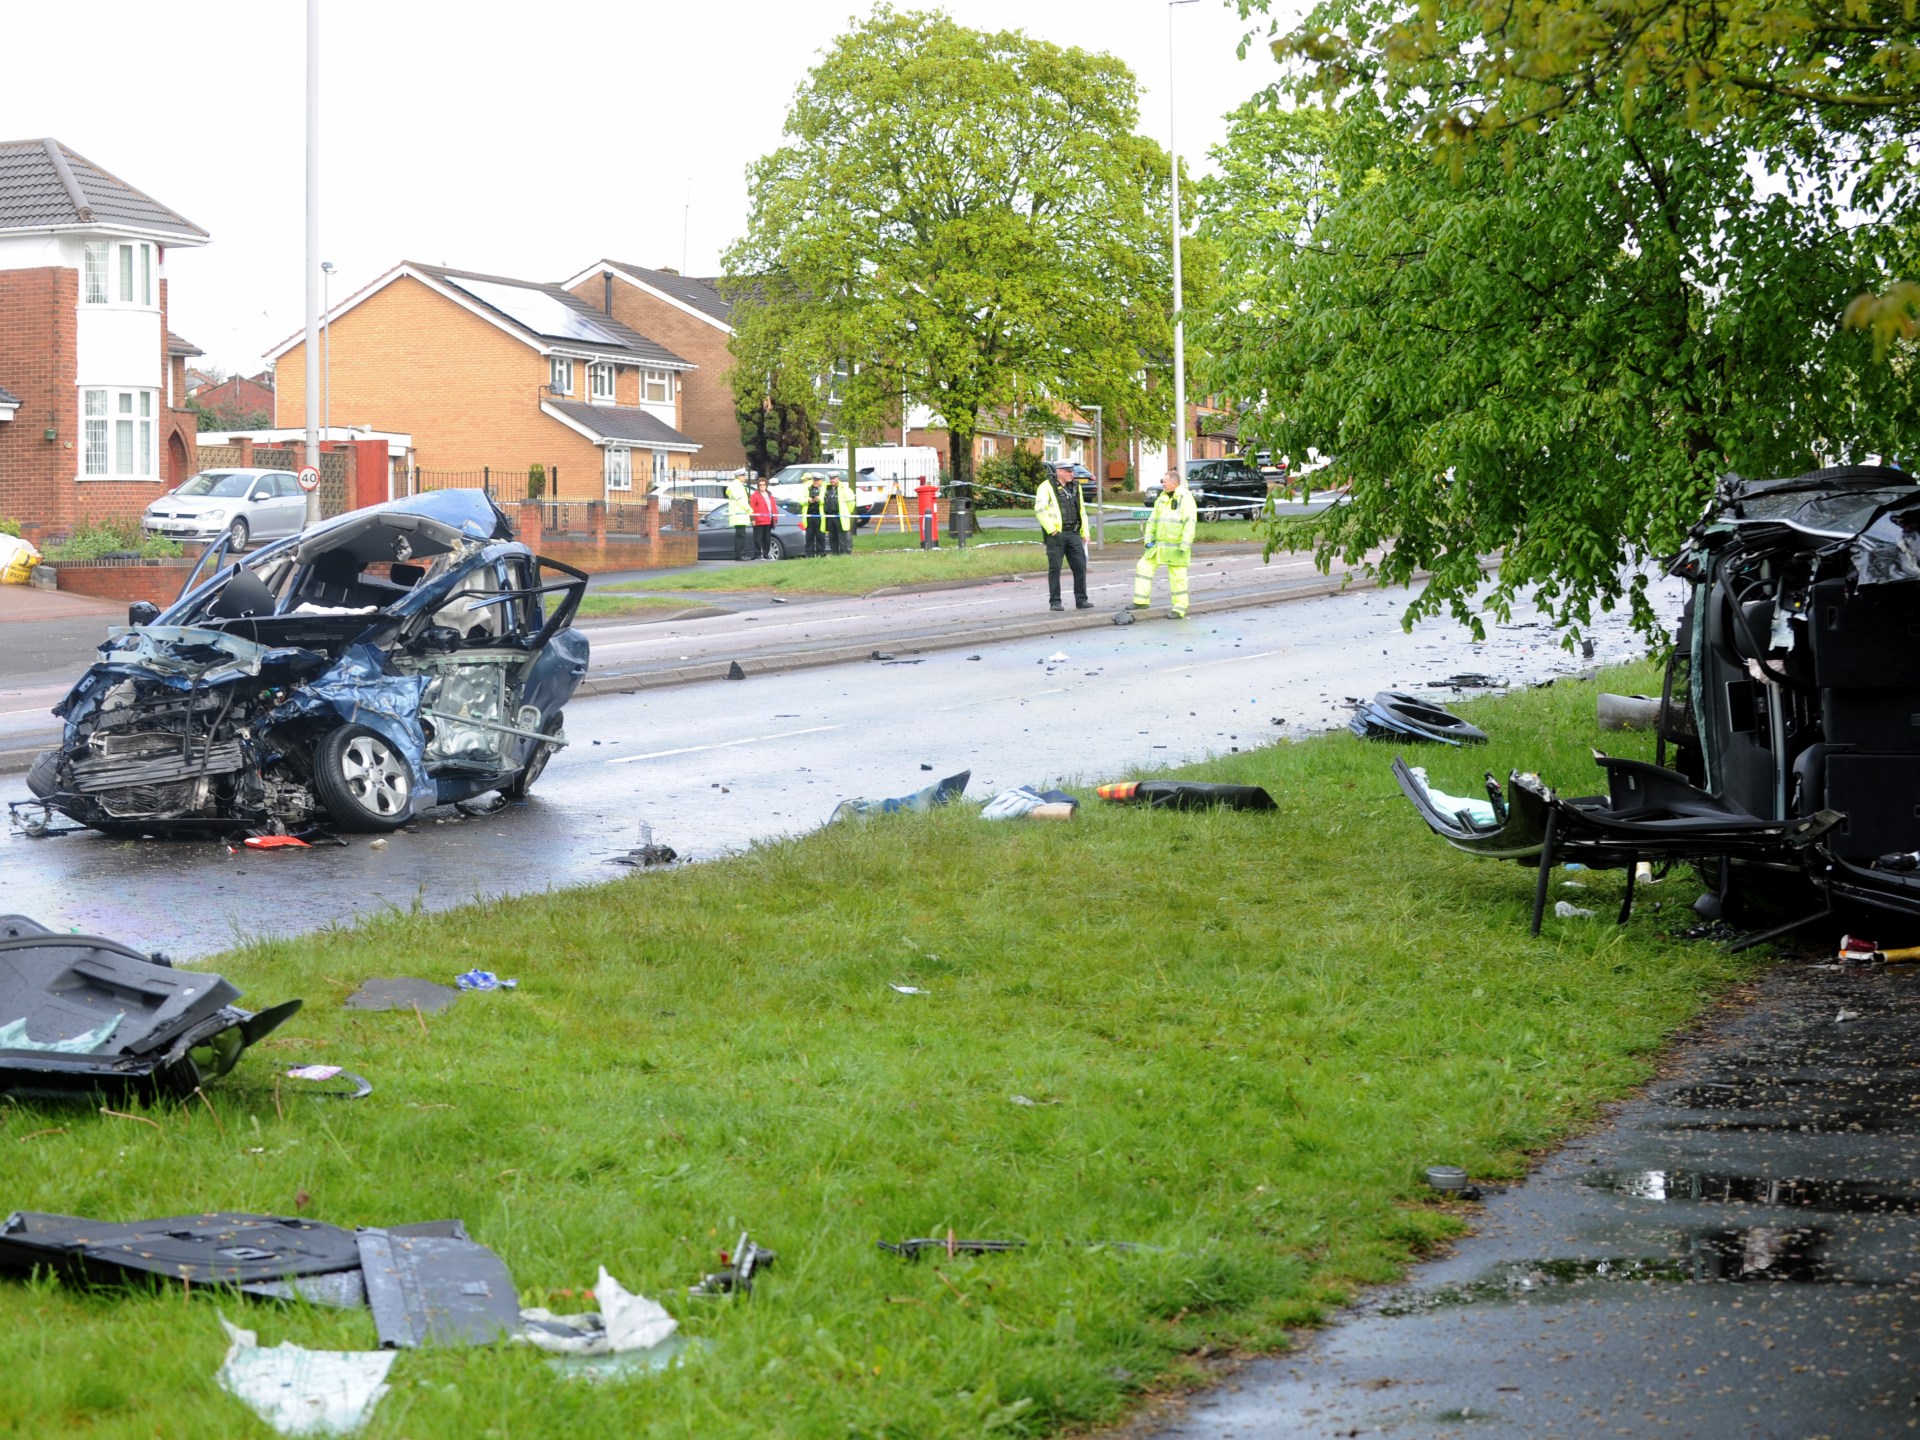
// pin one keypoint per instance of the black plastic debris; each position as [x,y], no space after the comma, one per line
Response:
[734,672]
[1396,715]
[436,1288]
[1186,795]
[83,1015]
[223,1248]
[913,1249]
[401,993]
[1123,617]
[646,856]
[742,1264]
[1469,680]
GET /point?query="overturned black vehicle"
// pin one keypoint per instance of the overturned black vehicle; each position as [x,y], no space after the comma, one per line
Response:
[380,663]
[1788,768]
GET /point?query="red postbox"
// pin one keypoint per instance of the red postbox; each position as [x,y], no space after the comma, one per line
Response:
[929,516]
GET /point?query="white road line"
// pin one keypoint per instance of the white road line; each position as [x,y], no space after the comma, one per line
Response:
[1230,660]
[724,744]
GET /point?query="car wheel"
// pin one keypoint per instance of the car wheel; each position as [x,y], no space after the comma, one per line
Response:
[237,533]
[43,775]
[362,780]
[1210,513]
[776,548]
[517,788]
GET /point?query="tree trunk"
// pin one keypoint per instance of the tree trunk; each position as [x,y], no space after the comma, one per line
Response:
[960,493]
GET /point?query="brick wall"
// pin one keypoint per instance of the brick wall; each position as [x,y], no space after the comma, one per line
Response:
[706,395]
[37,328]
[109,580]
[408,359]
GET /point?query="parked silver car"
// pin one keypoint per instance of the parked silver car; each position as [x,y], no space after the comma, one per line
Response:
[244,505]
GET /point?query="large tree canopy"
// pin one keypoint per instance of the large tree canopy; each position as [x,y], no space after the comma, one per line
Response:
[1550,348]
[964,217]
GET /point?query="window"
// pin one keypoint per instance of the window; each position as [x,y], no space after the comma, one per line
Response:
[600,381]
[562,383]
[659,469]
[619,465]
[119,433]
[94,282]
[1055,451]
[117,274]
[656,387]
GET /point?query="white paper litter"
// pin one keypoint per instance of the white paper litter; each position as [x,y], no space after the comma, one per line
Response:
[911,990]
[1019,1100]
[1846,1015]
[303,1392]
[1567,910]
[624,1322]
[1059,657]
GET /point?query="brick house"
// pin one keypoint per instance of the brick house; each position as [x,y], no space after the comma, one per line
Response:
[488,372]
[234,399]
[691,317]
[94,423]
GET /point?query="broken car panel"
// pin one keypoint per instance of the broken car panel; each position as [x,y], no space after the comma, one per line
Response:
[82,1015]
[1789,727]
[389,660]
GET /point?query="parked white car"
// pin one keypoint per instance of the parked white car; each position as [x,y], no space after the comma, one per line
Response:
[245,505]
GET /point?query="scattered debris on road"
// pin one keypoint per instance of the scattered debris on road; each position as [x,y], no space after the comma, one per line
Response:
[1396,715]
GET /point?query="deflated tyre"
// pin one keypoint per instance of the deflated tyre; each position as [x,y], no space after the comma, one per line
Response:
[363,781]
[43,777]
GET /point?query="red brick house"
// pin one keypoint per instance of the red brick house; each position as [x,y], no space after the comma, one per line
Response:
[691,318]
[238,399]
[93,423]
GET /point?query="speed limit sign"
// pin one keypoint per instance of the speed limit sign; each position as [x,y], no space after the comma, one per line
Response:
[309,479]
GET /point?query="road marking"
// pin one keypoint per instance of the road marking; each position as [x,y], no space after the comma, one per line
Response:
[1230,660]
[724,744]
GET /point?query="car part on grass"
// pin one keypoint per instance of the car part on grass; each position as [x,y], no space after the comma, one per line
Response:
[1469,680]
[1186,795]
[484,980]
[1790,715]
[940,793]
[624,1321]
[647,856]
[400,993]
[1396,715]
[299,1391]
[1627,712]
[325,676]
[435,1289]
[223,1248]
[82,1015]
[323,1074]
[742,1264]
[1452,1180]
[913,1249]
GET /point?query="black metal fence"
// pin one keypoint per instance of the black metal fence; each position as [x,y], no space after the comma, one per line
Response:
[505,483]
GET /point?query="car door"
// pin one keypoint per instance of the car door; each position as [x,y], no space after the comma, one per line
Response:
[290,504]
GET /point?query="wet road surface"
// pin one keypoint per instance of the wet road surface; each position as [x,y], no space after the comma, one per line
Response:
[714,767]
[1737,1253]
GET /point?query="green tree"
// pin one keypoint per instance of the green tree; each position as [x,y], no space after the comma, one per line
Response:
[775,411]
[965,217]
[1840,78]
[1548,351]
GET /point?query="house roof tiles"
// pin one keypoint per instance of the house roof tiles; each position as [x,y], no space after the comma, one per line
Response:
[574,330]
[7,397]
[44,184]
[702,295]
[622,422]
[180,345]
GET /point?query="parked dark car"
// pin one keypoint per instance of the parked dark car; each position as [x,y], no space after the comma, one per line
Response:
[1788,761]
[1225,489]
[716,535]
[388,660]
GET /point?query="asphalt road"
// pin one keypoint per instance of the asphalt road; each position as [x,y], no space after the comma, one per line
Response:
[1735,1254]
[713,767]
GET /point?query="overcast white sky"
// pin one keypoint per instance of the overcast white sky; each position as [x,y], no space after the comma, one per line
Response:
[523,139]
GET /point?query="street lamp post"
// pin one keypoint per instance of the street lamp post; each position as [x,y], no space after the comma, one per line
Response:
[326,347]
[313,249]
[1179,307]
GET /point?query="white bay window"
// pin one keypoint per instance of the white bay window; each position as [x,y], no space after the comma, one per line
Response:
[619,468]
[118,434]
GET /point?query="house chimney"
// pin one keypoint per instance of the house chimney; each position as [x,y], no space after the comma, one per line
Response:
[606,282]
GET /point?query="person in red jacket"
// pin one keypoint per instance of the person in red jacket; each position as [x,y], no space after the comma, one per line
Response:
[764,511]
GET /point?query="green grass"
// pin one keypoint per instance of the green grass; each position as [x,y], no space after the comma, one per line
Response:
[1245,1038]
[604,603]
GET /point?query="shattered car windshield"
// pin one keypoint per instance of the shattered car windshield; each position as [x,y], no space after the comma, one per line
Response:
[182,650]
[1839,513]
[216,482]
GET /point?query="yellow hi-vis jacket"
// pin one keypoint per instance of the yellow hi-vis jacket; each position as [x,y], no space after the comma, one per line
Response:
[1046,508]
[1172,522]
[845,492]
[739,511]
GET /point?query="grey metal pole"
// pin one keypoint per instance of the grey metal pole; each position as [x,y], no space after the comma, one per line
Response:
[1179,317]
[1099,472]
[326,348]
[312,348]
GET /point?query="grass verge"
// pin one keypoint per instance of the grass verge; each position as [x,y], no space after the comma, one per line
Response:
[601,604]
[1242,1041]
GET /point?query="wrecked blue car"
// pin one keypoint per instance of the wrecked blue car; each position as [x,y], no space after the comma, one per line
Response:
[391,659]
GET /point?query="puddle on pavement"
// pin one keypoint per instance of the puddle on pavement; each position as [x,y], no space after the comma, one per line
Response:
[1773,1254]
[1844,1196]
